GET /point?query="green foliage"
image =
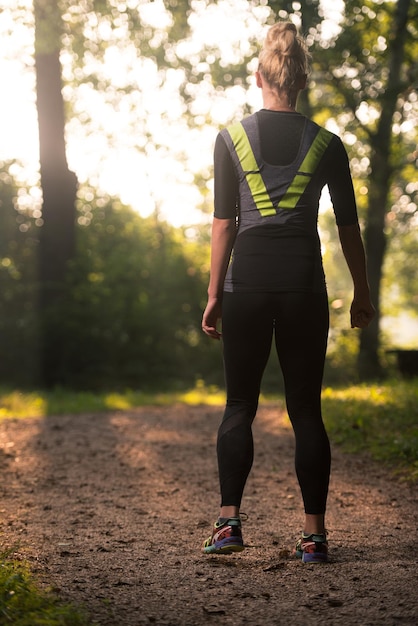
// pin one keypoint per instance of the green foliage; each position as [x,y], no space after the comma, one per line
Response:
[130,313]
[23,603]
[381,420]
[401,276]
[18,283]
[363,80]
[133,309]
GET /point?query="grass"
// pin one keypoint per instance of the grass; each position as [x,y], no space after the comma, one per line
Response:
[24,603]
[380,420]
[18,404]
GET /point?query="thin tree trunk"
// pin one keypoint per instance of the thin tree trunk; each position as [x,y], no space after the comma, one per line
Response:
[59,187]
[375,244]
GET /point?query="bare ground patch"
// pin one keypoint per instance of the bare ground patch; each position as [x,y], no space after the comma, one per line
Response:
[111,511]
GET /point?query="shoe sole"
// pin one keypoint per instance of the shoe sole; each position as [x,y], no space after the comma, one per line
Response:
[226,546]
[314,557]
[223,549]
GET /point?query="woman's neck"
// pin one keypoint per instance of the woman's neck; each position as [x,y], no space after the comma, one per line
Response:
[279,101]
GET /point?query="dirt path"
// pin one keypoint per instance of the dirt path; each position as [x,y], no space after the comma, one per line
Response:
[111,510]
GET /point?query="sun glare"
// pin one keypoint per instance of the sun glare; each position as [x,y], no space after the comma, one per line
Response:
[18,119]
[136,146]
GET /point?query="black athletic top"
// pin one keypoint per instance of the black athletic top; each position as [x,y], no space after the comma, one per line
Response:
[280,252]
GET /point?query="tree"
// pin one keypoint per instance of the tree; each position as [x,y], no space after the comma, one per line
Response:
[370,69]
[382,172]
[86,32]
[59,184]
[354,65]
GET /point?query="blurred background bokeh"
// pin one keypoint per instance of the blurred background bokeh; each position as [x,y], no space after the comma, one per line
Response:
[108,116]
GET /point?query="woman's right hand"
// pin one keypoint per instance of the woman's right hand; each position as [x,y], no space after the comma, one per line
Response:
[211,317]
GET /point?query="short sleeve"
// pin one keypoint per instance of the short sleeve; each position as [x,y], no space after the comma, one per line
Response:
[340,185]
[225,183]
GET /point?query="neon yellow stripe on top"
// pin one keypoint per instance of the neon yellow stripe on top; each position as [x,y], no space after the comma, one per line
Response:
[251,170]
[255,181]
[307,168]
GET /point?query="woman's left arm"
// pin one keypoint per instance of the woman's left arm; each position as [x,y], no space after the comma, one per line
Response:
[362,310]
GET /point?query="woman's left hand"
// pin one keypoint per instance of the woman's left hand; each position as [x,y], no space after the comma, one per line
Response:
[362,312]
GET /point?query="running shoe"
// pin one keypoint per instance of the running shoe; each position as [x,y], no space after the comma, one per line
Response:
[312,548]
[226,538]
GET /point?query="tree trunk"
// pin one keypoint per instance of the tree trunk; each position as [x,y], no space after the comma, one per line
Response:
[59,187]
[379,186]
[375,244]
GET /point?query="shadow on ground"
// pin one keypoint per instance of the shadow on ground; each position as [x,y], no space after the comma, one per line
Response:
[111,510]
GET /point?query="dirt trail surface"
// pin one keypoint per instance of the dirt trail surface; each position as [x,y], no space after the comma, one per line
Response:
[111,509]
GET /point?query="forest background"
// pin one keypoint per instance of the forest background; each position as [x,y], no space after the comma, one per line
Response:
[103,290]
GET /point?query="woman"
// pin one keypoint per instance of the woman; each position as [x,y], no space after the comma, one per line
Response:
[269,173]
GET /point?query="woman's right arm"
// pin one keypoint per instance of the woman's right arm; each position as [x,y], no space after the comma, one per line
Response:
[224,231]
[223,237]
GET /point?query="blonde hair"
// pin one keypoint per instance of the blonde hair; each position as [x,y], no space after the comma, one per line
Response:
[284,58]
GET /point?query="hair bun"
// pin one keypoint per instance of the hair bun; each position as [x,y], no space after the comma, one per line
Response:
[283,39]
[284,56]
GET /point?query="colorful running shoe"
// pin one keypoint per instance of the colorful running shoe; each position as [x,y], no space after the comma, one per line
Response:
[312,548]
[226,538]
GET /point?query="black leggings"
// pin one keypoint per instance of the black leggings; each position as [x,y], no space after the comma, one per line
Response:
[300,323]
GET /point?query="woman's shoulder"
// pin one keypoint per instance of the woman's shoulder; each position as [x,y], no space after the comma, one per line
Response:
[247,121]
[336,139]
